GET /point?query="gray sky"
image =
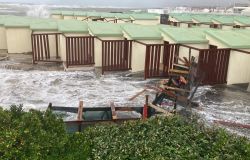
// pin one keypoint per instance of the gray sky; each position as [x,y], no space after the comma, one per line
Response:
[132,3]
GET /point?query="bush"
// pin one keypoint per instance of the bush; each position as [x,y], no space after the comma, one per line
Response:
[42,135]
[36,135]
[165,138]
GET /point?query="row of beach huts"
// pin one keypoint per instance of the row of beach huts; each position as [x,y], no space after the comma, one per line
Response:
[153,49]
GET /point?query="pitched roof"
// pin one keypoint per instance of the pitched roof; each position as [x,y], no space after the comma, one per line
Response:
[231,38]
[46,25]
[224,19]
[138,32]
[102,29]
[72,26]
[185,35]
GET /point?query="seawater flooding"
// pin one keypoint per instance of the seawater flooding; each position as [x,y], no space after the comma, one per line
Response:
[36,89]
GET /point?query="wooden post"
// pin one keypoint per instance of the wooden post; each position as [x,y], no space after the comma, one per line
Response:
[80,111]
[248,88]
[145,108]
[114,115]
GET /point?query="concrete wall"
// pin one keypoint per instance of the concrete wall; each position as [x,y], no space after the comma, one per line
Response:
[98,49]
[18,40]
[3,39]
[238,67]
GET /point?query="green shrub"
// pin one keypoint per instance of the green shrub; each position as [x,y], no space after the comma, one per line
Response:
[36,135]
[165,138]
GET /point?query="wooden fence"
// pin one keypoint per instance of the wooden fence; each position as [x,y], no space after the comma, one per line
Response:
[79,51]
[116,55]
[159,59]
[41,47]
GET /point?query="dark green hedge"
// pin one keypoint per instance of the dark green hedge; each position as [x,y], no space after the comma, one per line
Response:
[42,135]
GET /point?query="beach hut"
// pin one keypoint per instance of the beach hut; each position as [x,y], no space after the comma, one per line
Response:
[203,21]
[56,14]
[68,15]
[242,22]
[145,19]
[109,17]
[45,41]
[142,36]
[223,22]
[3,39]
[76,45]
[238,65]
[94,16]
[112,51]
[123,18]
[81,16]
[192,37]
[18,34]
[181,20]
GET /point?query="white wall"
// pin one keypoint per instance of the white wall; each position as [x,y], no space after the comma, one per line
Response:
[183,25]
[226,27]
[3,39]
[81,18]
[56,16]
[68,17]
[18,40]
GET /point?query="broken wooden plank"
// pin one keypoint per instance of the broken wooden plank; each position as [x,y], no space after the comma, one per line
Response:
[159,109]
[232,124]
[138,94]
[169,93]
[178,71]
[113,111]
[181,66]
[80,111]
[187,62]
[174,89]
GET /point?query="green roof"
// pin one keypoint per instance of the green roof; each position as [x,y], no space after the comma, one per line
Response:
[183,18]
[122,16]
[80,13]
[140,16]
[138,32]
[15,21]
[231,38]
[224,19]
[72,26]
[67,13]
[107,15]
[202,19]
[243,20]
[93,14]
[185,35]
[102,29]
[56,12]
[44,26]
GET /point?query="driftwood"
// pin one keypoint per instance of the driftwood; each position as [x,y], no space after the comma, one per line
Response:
[80,111]
[232,124]
[175,89]
[138,94]
[159,109]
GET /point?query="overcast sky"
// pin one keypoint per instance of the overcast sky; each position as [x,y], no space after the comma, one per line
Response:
[132,3]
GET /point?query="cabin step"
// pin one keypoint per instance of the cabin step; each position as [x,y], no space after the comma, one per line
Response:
[178,71]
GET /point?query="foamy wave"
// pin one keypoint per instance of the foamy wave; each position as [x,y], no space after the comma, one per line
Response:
[38,11]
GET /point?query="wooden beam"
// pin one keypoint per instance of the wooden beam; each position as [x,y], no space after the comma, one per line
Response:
[138,94]
[80,111]
[114,115]
[175,89]
[178,71]
[159,109]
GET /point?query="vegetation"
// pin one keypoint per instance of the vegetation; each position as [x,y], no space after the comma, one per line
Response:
[42,135]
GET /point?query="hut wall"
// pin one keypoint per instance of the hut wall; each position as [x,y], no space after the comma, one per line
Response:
[68,17]
[56,16]
[226,27]
[147,22]
[3,39]
[204,26]
[62,44]
[52,43]
[236,73]
[98,49]
[139,54]
[81,18]
[184,25]
[18,40]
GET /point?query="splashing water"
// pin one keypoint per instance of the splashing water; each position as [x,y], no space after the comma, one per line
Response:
[40,11]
